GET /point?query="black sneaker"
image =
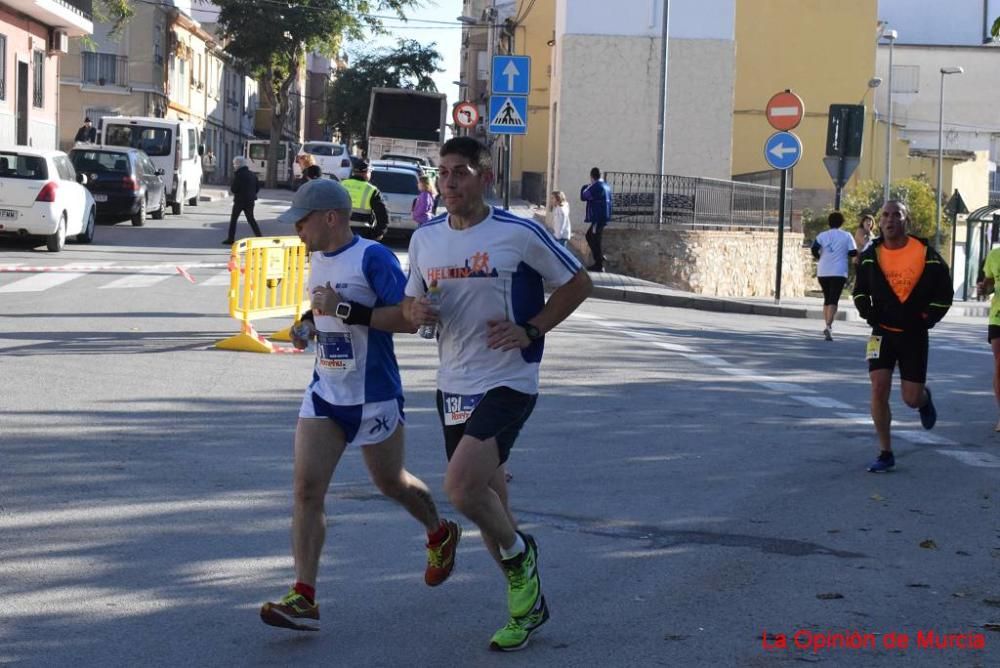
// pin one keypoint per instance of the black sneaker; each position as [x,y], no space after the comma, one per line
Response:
[928,414]
[885,462]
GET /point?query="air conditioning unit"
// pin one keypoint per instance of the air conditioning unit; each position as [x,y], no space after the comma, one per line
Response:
[58,41]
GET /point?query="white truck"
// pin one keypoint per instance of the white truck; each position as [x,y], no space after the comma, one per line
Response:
[171,144]
[406,123]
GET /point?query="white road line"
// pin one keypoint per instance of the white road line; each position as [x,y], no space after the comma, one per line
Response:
[41,282]
[922,437]
[856,418]
[965,351]
[983,460]
[143,278]
[222,278]
[820,402]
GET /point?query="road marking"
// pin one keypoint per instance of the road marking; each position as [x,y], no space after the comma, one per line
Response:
[978,459]
[856,418]
[821,402]
[222,278]
[41,282]
[965,351]
[922,437]
[144,278]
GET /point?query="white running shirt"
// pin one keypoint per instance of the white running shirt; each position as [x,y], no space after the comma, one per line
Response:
[834,243]
[491,271]
[356,364]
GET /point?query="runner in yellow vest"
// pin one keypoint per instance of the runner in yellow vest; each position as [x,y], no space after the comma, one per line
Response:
[991,274]
[367,206]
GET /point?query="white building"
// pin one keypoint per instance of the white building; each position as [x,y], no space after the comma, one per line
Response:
[605,92]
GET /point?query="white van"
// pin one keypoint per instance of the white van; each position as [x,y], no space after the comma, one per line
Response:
[255,151]
[333,159]
[172,145]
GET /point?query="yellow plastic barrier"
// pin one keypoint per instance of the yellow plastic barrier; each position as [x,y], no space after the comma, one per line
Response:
[267,279]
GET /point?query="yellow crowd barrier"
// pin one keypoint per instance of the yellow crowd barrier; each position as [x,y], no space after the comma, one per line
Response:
[267,279]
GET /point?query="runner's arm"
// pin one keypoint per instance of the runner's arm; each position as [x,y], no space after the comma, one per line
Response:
[391,319]
[563,301]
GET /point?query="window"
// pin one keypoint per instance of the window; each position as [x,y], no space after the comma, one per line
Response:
[3,67]
[38,97]
[323,149]
[64,168]
[395,183]
[15,166]
[154,141]
[258,151]
[192,136]
[105,68]
[99,161]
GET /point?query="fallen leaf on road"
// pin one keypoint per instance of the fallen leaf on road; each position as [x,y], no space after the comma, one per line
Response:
[991,626]
[829,596]
[995,602]
[928,544]
[962,553]
[918,585]
[959,594]
[877,497]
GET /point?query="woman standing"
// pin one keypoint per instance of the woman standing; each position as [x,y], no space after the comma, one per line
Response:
[423,205]
[559,209]
[863,235]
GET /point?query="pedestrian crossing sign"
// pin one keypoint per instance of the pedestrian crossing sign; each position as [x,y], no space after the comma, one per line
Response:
[509,115]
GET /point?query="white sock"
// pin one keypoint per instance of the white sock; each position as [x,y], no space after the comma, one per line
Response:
[517,548]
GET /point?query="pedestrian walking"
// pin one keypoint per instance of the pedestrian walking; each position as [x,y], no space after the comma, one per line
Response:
[559,217]
[366,201]
[208,164]
[87,133]
[832,248]
[903,290]
[423,206]
[597,195]
[244,189]
[988,285]
[490,268]
[355,397]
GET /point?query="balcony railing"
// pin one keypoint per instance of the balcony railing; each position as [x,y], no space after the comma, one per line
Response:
[994,189]
[84,7]
[105,69]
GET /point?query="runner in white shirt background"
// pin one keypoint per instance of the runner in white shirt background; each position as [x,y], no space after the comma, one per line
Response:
[355,397]
[492,316]
[832,248]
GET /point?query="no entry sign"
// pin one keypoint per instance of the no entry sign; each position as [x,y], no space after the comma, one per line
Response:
[784,110]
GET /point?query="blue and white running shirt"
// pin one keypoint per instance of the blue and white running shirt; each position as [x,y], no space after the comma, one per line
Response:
[491,271]
[356,364]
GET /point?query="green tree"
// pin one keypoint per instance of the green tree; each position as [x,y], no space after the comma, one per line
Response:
[866,197]
[271,39]
[995,30]
[410,66]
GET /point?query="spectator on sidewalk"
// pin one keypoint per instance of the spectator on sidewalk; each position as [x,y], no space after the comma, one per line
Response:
[597,195]
[208,163]
[864,235]
[831,250]
[559,217]
[986,286]
[423,206]
[244,189]
[87,132]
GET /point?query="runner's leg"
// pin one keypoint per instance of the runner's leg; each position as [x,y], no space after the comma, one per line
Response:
[385,465]
[881,380]
[319,443]
[469,485]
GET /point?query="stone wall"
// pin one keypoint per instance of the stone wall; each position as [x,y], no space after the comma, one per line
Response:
[722,264]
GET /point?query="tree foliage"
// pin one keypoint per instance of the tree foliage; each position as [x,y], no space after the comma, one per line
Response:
[271,40]
[410,66]
[995,30]
[866,198]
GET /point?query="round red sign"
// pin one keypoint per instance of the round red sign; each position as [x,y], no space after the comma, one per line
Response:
[785,110]
[465,115]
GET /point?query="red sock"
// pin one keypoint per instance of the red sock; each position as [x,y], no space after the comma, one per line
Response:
[438,536]
[306,590]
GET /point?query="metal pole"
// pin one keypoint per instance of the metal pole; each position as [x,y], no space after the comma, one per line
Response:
[661,128]
[940,169]
[891,36]
[506,173]
[781,236]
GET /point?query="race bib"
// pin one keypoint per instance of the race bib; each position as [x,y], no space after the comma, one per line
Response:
[458,407]
[873,348]
[334,351]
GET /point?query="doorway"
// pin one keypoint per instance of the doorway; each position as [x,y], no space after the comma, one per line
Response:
[21,112]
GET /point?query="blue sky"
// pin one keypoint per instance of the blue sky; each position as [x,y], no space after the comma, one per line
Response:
[423,29]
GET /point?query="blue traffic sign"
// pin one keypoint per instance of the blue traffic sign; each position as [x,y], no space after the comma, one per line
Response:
[511,75]
[782,150]
[508,115]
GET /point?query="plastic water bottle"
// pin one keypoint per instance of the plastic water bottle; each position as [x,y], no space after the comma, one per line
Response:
[434,295]
[304,330]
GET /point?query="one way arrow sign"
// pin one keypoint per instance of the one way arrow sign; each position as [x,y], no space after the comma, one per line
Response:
[511,75]
[782,150]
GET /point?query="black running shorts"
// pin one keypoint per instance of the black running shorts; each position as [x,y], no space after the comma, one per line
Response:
[908,349]
[499,414]
[993,333]
[832,286]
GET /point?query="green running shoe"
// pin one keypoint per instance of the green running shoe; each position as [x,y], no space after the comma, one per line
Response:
[523,585]
[515,634]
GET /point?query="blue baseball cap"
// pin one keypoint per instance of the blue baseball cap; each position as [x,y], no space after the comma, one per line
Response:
[316,195]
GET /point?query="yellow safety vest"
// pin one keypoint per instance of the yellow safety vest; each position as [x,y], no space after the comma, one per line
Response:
[361,194]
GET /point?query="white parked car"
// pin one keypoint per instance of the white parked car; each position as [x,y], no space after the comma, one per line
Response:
[333,159]
[398,186]
[42,196]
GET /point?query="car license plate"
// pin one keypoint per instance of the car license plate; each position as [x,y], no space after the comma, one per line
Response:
[100,198]
[8,214]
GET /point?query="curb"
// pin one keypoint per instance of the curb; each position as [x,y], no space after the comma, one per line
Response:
[710,304]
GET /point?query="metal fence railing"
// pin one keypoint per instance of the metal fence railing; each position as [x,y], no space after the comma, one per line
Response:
[691,202]
[994,189]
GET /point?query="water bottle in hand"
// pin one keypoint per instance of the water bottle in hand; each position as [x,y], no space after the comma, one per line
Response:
[434,296]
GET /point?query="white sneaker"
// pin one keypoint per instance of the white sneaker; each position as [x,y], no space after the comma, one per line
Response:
[828,334]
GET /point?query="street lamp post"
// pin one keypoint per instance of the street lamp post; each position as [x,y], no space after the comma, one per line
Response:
[940,161]
[890,36]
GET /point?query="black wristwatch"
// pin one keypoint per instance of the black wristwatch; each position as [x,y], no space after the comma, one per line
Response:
[343,310]
[533,332]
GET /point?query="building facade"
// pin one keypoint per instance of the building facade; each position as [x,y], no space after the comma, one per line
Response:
[34,34]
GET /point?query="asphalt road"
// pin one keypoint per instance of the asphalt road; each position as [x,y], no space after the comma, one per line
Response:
[695,481]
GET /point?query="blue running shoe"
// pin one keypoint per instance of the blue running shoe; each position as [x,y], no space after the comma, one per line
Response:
[885,462]
[928,414]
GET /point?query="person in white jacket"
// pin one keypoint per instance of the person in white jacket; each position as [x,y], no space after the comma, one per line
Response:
[559,217]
